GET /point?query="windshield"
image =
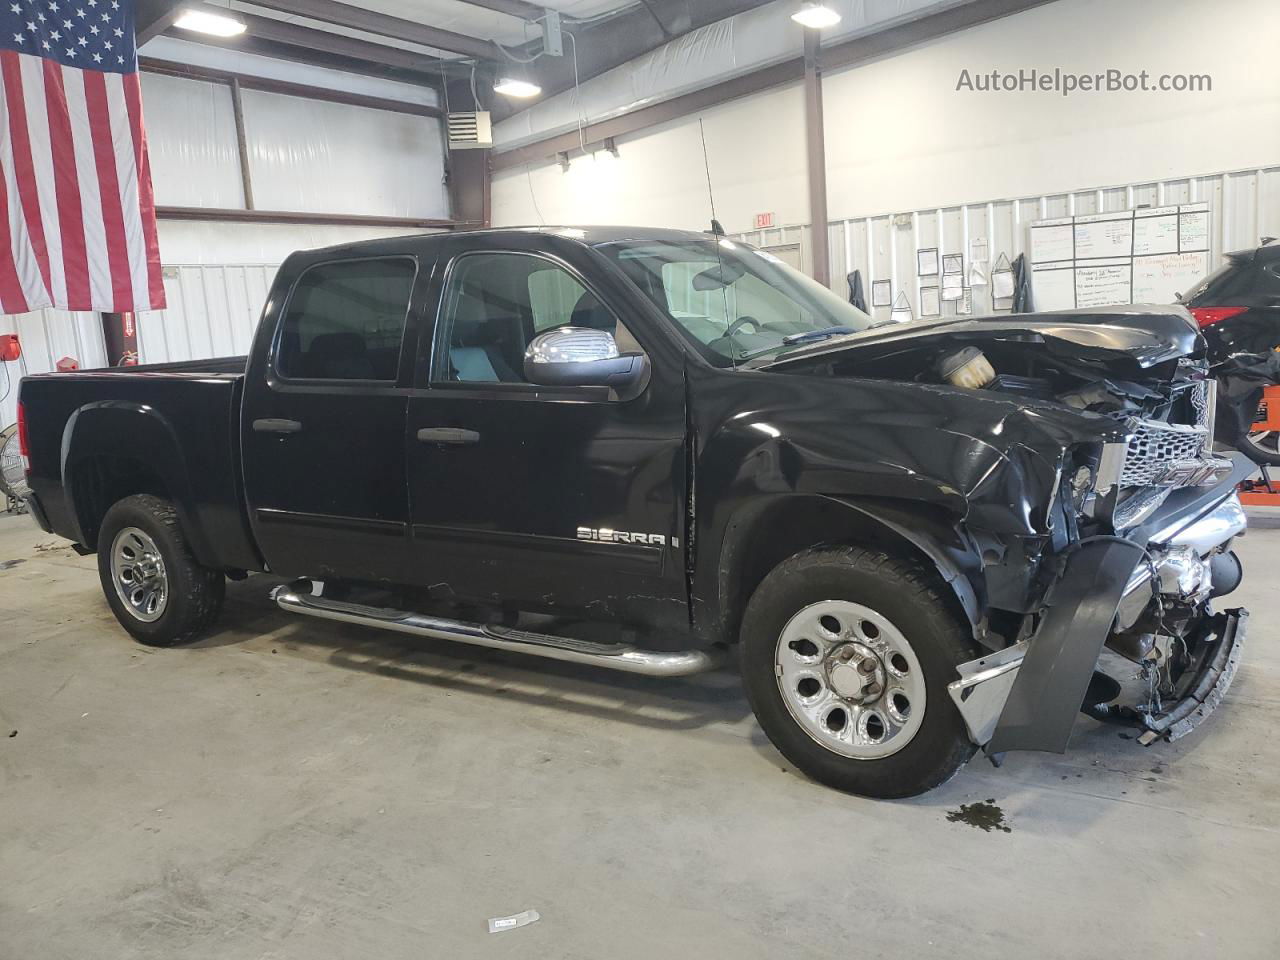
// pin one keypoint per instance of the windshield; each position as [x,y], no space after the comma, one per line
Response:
[731,301]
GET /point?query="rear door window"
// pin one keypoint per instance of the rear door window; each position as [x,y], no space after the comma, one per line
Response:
[345,321]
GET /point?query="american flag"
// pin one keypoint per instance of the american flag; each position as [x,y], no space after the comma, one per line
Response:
[75,197]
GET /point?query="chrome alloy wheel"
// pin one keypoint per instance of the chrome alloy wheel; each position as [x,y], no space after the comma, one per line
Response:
[850,679]
[138,572]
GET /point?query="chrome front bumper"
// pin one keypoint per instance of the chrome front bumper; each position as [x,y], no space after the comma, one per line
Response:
[1197,537]
[983,689]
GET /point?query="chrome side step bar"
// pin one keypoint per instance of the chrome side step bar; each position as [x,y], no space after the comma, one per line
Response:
[617,656]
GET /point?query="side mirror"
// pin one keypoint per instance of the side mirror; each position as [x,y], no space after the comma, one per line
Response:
[584,357]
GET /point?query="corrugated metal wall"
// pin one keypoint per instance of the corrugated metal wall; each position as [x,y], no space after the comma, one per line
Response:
[1244,205]
[213,312]
[46,337]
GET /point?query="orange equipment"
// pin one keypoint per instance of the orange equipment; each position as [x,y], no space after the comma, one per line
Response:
[1262,493]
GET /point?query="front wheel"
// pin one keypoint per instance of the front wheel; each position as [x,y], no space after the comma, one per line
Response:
[846,657]
[155,587]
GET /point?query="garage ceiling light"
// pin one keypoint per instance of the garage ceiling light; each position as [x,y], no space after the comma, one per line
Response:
[514,87]
[815,16]
[201,21]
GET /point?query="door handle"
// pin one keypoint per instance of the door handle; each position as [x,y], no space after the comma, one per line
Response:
[452,435]
[270,425]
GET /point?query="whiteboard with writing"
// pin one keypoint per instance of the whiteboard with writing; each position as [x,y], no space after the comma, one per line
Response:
[1148,255]
[1193,231]
[1102,285]
[1052,240]
[1159,279]
[1155,231]
[1107,235]
[1053,287]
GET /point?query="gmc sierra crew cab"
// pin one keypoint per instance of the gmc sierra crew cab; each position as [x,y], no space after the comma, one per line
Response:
[639,448]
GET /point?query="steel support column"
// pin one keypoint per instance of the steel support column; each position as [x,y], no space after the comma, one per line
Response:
[470,183]
[120,337]
[816,155]
[242,143]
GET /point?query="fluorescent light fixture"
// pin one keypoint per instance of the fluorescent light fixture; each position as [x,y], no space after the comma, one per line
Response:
[202,21]
[815,16]
[512,87]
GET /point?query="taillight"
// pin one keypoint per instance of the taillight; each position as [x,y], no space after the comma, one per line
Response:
[1208,316]
[24,450]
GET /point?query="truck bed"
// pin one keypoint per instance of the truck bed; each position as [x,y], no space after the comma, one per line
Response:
[208,365]
[185,416]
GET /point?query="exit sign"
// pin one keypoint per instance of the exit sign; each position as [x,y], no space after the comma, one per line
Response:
[764,220]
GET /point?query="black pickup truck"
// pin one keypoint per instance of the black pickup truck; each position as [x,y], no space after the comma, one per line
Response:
[638,448]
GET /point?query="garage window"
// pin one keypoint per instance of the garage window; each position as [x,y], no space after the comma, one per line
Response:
[345,321]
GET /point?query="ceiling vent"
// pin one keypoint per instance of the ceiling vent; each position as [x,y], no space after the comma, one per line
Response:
[470,131]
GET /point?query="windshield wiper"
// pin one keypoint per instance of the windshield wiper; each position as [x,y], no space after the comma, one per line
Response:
[797,339]
[810,335]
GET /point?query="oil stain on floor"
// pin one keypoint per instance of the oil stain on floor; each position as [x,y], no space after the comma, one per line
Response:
[985,816]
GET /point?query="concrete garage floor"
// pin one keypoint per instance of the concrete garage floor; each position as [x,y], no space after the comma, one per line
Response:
[290,788]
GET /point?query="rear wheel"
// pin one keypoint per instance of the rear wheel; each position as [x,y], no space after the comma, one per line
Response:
[846,655]
[155,587]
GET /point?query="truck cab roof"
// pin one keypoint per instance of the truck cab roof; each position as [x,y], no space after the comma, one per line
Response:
[588,235]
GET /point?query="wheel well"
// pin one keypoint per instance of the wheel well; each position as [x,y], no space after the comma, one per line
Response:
[99,482]
[757,543]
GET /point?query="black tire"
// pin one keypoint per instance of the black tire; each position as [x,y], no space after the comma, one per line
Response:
[194,593]
[1267,453]
[914,599]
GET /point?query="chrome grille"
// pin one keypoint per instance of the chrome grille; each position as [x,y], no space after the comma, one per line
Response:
[1154,446]
[1202,402]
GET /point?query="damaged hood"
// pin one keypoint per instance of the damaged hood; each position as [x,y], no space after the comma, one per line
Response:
[1140,334]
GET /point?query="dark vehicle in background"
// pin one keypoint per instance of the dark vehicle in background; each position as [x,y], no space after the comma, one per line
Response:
[636,448]
[1238,310]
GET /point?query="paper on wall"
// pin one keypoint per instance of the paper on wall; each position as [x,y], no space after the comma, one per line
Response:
[881,293]
[930,305]
[901,312]
[1001,284]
